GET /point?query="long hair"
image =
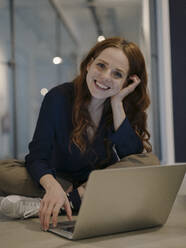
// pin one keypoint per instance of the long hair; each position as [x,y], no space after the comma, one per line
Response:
[135,104]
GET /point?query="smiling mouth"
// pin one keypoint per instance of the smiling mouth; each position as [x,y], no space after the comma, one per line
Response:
[101,86]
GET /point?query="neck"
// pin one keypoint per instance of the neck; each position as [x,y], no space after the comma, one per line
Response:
[96,105]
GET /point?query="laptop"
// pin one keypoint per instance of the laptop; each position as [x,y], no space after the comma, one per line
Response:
[124,199]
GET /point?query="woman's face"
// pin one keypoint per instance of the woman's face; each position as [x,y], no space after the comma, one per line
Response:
[106,74]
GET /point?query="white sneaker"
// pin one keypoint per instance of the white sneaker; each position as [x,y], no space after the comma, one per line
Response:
[15,206]
[1,198]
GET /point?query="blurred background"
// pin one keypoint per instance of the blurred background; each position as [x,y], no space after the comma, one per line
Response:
[43,41]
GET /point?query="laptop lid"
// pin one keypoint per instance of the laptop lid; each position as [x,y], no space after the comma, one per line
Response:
[126,199]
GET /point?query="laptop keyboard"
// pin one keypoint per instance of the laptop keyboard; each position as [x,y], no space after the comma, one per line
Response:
[67,226]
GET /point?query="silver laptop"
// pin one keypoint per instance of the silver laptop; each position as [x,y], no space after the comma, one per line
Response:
[124,199]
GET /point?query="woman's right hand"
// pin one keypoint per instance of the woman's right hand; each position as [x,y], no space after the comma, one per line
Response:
[54,199]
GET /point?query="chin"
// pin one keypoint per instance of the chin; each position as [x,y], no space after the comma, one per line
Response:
[98,96]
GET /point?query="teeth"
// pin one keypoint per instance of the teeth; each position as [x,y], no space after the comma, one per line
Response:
[102,86]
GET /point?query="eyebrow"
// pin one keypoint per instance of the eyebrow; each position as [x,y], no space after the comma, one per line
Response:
[116,68]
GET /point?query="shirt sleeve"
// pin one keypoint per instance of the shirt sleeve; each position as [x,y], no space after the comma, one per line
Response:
[125,140]
[41,146]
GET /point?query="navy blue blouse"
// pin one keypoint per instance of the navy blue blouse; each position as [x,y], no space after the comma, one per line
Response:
[49,149]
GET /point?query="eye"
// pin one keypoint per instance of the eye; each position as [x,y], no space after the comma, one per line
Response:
[117,74]
[100,65]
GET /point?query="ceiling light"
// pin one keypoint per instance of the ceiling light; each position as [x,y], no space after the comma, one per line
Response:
[43,91]
[57,60]
[100,38]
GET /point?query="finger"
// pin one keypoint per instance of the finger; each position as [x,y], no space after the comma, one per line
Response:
[129,89]
[132,86]
[135,79]
[42,207]
[42,214]
[69,189]
[55,213]
[68,209]
[47,214]
[126,91]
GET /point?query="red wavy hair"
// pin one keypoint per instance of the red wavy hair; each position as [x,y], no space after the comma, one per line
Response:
[135,104]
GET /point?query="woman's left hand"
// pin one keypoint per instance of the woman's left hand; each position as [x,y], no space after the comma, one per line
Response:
[126,90]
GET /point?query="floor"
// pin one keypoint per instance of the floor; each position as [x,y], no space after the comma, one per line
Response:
[27,233]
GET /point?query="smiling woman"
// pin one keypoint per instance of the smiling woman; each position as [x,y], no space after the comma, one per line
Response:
[90,123]
[126,93]
[107,73]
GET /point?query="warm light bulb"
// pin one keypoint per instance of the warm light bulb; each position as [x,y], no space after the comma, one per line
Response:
[43,91]
[101,38]
[57,60]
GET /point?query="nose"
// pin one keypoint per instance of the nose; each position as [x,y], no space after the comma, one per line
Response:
[106,75]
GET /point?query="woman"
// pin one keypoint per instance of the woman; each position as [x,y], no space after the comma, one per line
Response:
[88,124]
